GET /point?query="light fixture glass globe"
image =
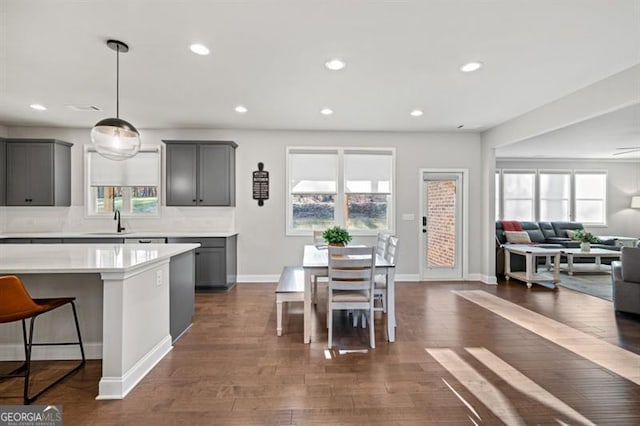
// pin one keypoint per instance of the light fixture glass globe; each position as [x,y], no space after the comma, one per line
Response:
[115,139]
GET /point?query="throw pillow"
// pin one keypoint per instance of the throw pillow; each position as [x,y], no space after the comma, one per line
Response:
[517,237]
[570,233]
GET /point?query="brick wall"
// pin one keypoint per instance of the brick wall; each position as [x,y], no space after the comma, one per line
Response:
[441,198]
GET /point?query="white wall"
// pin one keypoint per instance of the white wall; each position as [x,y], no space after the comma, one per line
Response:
[623,181]
[263,247]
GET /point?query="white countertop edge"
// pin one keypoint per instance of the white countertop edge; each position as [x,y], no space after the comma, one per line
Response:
[42,258]
[106,234]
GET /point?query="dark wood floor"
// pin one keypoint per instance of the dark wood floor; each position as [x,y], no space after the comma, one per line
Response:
[231,369]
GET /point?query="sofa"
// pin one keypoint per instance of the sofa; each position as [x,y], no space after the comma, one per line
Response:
[545,235]
[625,277]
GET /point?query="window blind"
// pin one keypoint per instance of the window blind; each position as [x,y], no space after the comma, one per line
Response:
[141,170]
[313,172]
[368,173]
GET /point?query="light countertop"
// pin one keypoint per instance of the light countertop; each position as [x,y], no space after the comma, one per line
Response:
[107,234]
[84,258]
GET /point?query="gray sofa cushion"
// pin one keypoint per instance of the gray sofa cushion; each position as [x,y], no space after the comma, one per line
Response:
[630,259]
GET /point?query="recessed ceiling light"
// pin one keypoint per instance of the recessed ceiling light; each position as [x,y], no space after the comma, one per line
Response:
[326,111]
[38,107]
[471,66]
[335,64]
[416,113]
[240,109]
[199,49]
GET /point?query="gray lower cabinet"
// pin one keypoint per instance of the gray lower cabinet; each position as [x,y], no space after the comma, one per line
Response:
[102,240]
[181,293]
[200,173]
[216,262]
[38,172]
[3,165]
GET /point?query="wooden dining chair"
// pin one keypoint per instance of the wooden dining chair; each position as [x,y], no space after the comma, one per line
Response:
[380,290]
[318,241]
[17,305]
[351,284]
[381,244]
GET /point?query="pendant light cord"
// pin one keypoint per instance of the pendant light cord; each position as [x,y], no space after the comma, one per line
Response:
[118,81]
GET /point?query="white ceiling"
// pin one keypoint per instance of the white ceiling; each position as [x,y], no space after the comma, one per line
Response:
[599,137]
[268,55]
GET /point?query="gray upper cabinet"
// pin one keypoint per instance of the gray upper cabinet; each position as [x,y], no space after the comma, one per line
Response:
[201,173]
[38,172]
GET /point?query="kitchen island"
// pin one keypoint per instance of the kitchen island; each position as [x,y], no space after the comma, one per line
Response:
[123,299]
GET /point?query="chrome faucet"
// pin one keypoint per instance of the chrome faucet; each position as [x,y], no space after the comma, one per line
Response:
[116,216]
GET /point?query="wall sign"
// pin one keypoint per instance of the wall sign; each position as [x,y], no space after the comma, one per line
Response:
[260,185]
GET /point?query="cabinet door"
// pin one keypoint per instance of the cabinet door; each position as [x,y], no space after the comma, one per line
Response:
[210,268]
[41,181]
[214,175]
[181,175]
[3,163]
[17,174]
[29,174]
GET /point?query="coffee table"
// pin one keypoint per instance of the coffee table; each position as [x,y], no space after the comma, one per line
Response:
[530,276]
[596,253]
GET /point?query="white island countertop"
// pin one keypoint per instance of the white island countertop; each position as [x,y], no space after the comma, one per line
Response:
[107,234]
[83,258]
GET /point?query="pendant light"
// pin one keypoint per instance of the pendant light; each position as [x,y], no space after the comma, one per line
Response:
[115,138]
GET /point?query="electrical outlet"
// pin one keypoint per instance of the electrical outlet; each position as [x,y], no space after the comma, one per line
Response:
[158,278]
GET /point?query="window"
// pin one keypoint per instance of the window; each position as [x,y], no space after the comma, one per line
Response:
[518,190]
[351,187]
[497,196]
[555,196]
[578,195]
[130,186]
[590,200]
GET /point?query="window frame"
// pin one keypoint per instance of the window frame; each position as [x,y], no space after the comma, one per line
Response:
[501,172]
[341,194]
[90,200]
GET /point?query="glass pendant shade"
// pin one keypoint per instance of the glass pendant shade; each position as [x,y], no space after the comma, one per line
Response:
[115,138]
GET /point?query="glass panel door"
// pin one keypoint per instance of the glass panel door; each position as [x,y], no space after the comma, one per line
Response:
[442,226]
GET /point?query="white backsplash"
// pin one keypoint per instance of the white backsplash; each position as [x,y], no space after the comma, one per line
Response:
[72,219]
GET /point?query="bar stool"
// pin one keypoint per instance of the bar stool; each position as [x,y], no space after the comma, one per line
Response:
[17,305]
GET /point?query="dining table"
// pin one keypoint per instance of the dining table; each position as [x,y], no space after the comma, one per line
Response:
[316,262]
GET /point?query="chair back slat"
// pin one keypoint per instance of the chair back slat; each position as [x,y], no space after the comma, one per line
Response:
[381,244]
[392,249]
[351,268]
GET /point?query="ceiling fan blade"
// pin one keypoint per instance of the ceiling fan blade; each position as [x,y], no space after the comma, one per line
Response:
[626,152]
[630,147]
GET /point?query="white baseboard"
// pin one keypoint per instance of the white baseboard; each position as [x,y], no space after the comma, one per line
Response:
[489,279]
[119,387]
[264,279]
[15,352]
[407,277]
[257,279]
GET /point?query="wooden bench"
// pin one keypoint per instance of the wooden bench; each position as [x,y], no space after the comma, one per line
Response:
[290,289]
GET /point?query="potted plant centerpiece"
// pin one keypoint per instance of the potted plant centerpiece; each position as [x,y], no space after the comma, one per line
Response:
[585,238]
[336,236]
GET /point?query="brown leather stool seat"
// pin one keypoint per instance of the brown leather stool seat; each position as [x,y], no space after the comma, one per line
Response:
[17,305]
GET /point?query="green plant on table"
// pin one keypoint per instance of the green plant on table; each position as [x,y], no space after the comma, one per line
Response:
[585,237]
[336,235]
